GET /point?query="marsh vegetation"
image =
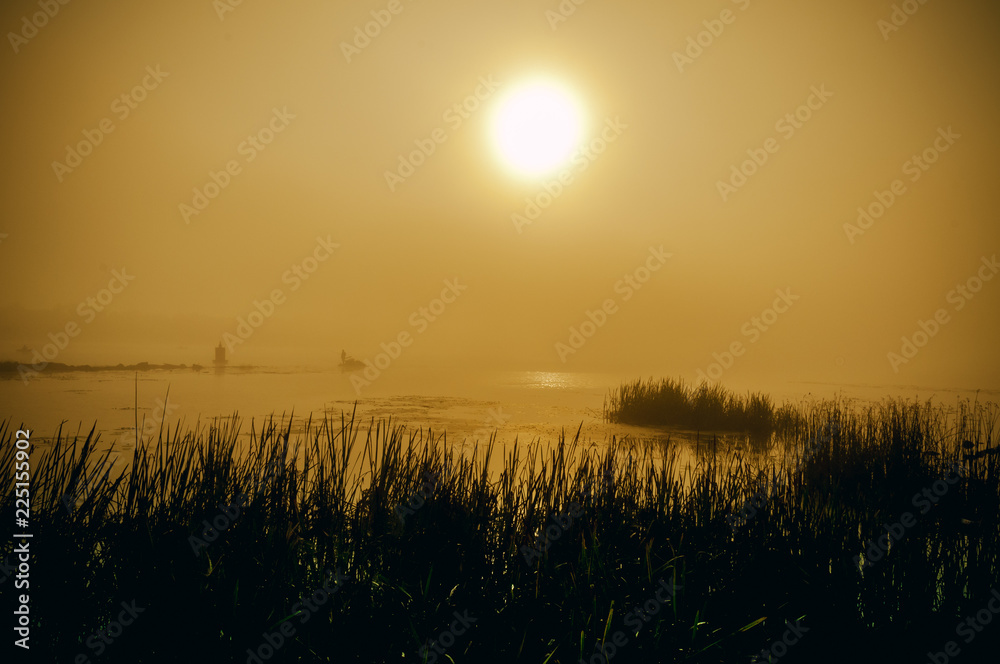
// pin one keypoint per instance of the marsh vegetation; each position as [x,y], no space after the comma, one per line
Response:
[498,545]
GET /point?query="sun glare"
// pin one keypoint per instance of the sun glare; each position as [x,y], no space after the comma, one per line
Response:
[536,128]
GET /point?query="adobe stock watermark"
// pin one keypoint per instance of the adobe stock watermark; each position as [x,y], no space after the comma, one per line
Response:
[87,310]
[714,28]
[161,411]
[103,638]
[760,497]
[455,116]
[899,17]
[497,418]
[635,619]
[786,126]
[958,297]
[122,107]
[429,652]
[894,532]
[419,497]
[419,320]
[562,12]
[381,18]
[627,287]
[780,647]
[544,539]
[294,276]
[582,158]
[85,485]
[31,26]
[223,7]
[307,606]
[914,167]
[753,330]
[212,530]
[969,628]
[250,148]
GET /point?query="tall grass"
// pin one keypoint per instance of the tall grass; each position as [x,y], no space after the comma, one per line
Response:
[672,402]
[641,519]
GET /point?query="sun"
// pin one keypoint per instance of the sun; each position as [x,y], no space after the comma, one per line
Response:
[537,127]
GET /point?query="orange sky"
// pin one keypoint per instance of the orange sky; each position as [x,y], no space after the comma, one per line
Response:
[685,118]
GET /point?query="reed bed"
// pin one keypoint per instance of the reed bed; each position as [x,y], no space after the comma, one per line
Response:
[707,407]
[550,556]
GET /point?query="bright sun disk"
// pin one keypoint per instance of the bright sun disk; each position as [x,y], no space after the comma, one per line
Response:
[537,127]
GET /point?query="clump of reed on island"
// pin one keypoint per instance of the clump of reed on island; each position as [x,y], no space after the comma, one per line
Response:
[551,557]
[707,407]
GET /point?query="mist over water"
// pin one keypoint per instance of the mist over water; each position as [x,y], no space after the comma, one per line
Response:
[463,405]
[713,285]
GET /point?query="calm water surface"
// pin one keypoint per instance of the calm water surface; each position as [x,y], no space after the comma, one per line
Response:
[531,406]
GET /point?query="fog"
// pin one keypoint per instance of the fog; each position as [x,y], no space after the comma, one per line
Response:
[654,241]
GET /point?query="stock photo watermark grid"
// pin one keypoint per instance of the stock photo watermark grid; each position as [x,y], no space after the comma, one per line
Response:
[347,178]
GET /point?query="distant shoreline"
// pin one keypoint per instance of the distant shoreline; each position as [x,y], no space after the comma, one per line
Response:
[11,367]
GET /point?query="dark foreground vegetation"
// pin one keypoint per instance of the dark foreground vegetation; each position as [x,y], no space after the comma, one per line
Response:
[548,562]
[672,402]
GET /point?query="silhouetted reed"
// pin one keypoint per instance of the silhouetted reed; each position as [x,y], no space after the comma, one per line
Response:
[708,407]
[327,500]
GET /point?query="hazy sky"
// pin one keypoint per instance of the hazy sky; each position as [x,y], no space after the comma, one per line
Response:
[880,96]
